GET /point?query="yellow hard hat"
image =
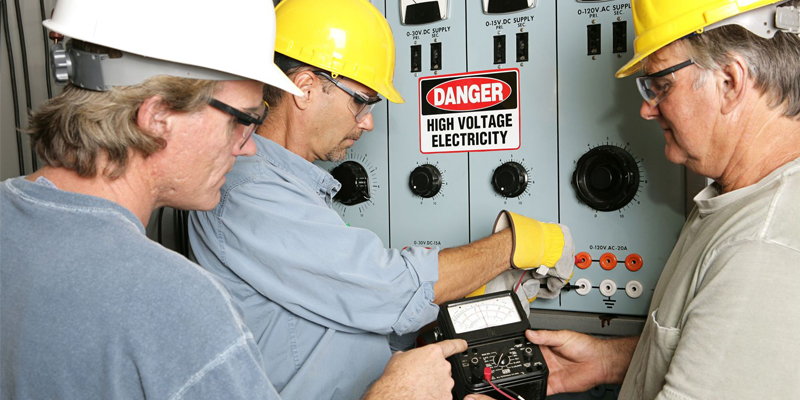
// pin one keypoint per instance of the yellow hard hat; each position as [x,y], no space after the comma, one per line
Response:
[346,37]
[661,22]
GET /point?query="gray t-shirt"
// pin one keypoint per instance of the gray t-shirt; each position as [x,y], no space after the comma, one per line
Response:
[90,308]
[723,320]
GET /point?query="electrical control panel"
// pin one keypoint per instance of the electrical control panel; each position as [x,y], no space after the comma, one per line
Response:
[513,104]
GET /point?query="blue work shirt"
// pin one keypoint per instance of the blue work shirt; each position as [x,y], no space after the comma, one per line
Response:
[319,296]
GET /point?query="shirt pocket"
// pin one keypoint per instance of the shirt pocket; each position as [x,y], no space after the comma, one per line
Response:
[663,341]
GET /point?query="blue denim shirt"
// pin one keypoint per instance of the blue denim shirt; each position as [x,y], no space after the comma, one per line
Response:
[90,308]
[319,296]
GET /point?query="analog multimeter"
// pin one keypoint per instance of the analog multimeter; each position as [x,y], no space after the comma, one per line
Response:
[494,327]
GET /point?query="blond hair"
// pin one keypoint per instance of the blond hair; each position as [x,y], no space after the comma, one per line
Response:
[73,129]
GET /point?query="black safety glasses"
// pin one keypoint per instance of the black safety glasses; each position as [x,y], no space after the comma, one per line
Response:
[361,104]
[654,87]
[250,121]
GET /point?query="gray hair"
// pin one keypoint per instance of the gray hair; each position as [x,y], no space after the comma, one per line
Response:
[774,63]
[76,127]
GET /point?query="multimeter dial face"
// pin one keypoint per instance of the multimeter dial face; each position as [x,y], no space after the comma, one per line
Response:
[467,317]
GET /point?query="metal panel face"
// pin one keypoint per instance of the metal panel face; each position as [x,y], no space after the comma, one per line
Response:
[619,196]
[524,180]
[437,214]
[370,153]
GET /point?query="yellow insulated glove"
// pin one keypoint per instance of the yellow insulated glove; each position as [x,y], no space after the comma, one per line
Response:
[545,249]
[533,243]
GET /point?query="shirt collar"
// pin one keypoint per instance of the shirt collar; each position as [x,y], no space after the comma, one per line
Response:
[322,181]
[710,199]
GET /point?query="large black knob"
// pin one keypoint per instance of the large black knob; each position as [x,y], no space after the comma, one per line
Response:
[607,178]
[355,183]
[510,179]
[425,180]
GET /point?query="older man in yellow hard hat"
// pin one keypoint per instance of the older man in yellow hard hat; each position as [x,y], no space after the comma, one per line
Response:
[722,79]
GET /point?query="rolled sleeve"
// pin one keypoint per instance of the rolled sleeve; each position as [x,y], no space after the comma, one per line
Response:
[421,309]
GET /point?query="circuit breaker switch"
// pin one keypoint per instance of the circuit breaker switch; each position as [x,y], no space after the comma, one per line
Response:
[619,34]
[436,56]
[500,49]
[522,47]
[593,39]
[416,58]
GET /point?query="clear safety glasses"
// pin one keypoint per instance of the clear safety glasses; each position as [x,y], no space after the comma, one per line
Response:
[360,103]
[250,120]
[655,87]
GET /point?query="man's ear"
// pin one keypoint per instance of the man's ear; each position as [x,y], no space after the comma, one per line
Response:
[305,81]
[733,83]
[153,117]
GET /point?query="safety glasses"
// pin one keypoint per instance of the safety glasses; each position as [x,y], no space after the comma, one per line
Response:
[655,87]
[249,120]
[360,103]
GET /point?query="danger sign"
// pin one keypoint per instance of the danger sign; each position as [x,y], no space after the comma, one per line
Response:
[476,111]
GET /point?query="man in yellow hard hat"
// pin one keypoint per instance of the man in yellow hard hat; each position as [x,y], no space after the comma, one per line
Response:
[323,298]
[722,78]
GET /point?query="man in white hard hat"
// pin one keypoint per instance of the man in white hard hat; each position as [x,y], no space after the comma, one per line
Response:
[153,116]
[722,78]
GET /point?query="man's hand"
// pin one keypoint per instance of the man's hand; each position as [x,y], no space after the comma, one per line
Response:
[578,362]
[422,373]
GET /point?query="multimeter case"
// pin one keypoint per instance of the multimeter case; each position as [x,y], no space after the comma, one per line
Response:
[516,363]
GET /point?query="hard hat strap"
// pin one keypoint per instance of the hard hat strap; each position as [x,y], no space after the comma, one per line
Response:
[96,71]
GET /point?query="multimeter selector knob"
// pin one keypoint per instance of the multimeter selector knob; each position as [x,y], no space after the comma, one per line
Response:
[355,183]
[606,178]
[425,181]
[510,179]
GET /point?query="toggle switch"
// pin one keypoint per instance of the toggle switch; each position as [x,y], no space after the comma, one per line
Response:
[500,49]
[619,37]
[522,47]
[436,56]
[593,39]
[416,58]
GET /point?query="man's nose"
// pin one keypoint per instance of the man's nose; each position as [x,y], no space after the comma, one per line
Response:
[367,124]
[648,111]
[248,149]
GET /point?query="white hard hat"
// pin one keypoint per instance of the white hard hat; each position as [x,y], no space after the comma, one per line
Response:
[232,39]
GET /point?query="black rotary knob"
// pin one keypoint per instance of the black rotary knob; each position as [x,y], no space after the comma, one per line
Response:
[510,179]
[607,178]
[425,181]
[355,183]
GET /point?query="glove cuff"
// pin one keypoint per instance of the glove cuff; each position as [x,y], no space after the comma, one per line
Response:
[533,243]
